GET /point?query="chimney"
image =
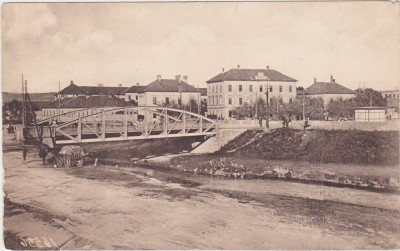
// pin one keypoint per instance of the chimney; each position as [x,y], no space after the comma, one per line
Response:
[159,78]
[119,85]
[185,79]
[332,80]
[315,80]
[178,78]
[100,85]
[72,82]
[238,66]
[223,70]
[267,67]
[137,84]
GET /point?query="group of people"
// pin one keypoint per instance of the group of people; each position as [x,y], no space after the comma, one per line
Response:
[286,119]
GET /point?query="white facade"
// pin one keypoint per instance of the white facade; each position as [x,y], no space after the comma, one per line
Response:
[331,97]
[223,97]
[161,98]
[130,96]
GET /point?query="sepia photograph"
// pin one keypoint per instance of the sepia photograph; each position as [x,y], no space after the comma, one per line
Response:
[201,125]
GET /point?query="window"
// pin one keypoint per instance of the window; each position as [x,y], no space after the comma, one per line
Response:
[250,88]
[229,88]
[166,100]
[280,88]
[290,100]
[220,88]
[154,100]
[290,88]
[240,101]
[129,97]
[216,98]
[230,101]
[240,88]
[216,89]
[251,100]
[270,89]
[212,89]
[261,89]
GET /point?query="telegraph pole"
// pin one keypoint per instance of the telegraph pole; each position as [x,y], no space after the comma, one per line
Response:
[304,108]
[59,98]
[267,96]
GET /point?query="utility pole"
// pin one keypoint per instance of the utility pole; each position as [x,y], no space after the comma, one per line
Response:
[304,107]
[180,96]
[23,104]
[256,106]
[59,97]
[277,105]
[267,110]
[198,100]
[23,110]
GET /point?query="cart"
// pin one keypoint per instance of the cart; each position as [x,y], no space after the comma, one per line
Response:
[70,155]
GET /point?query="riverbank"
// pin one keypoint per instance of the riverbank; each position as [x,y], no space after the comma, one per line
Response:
[108,207]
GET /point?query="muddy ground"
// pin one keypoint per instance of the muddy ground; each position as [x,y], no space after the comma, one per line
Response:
[110,207]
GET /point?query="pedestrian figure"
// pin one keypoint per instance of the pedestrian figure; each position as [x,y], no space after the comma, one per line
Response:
[24,153]
[42,154]
[306,124]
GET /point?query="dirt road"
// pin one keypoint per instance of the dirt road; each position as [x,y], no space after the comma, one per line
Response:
[121,208]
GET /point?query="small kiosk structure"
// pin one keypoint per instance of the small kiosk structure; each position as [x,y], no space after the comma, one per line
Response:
[370,114]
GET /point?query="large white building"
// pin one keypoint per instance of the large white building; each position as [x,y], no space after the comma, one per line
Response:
[164,92]
[233,88]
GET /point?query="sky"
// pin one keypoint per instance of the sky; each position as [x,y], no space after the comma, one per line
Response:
[129,43]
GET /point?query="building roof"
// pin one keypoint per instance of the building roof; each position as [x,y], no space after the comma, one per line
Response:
[90,102]
[169,85]
[328,88]
[104,90]
[74,89]
[251,75]
[135,89]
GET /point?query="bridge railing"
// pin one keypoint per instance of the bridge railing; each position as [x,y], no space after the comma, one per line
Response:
[132,122]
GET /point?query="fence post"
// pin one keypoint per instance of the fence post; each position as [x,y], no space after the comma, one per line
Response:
[103,129]
[184,121]
[126,123]
[146,123]
[79,129]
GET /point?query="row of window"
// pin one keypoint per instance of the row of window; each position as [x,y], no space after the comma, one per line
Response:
[214,89]
[392,95]
[218,100]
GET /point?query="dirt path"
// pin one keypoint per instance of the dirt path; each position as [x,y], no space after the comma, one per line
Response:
[116,208]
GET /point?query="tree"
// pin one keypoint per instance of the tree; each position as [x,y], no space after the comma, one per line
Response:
[12,112]
[244,111]
[341,108]
[369,97]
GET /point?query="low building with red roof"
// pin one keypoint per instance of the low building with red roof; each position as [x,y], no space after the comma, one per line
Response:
[328,91]
[164,92]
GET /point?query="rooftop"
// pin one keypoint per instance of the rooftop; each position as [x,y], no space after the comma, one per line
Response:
[327,88]
[90,102]
[169,85]
[74,89]
[251,75]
